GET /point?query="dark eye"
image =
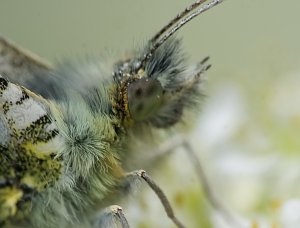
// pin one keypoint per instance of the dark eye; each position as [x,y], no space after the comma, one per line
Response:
[144,98]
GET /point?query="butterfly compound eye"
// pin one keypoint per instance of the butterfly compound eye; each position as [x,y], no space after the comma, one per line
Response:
[144,98]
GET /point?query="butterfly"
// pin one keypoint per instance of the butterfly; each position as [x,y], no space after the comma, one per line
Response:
[68,132]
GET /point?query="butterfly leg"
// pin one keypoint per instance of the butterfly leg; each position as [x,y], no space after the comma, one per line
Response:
[137,175]
[180,141]
[111,216]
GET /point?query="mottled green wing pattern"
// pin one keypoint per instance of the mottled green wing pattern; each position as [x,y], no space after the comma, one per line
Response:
[19,65]
[28,143]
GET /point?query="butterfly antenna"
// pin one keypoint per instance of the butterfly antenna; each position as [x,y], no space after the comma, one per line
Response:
[173,27]
[176,19]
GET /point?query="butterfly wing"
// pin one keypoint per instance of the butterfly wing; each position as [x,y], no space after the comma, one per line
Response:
[28,144]
[21,66]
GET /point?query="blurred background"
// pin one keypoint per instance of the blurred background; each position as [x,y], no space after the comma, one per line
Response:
[248,133]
